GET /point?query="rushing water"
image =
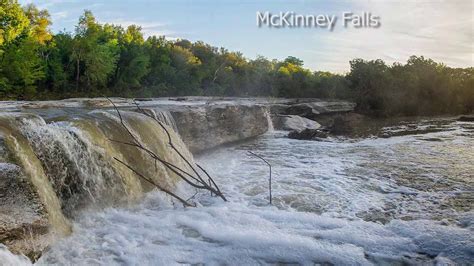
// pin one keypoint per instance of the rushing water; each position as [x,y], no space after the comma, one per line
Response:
[404,199]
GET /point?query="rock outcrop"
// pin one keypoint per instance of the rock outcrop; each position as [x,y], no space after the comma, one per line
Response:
[203,128]
[466,118]
[293,122]
[24,225]
[313,109]
[313,118]
[308,134]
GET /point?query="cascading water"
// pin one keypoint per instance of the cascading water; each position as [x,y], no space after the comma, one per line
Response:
[269,120]
[71,164]
[33,200]
[164,116]
[76,168]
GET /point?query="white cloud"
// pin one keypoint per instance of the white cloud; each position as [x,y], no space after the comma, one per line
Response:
[441,30]
[59,15]
[148,28]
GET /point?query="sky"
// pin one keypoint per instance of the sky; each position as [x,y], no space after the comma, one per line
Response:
[441,30]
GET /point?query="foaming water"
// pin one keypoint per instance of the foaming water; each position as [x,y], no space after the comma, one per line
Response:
[377,179]
[8,258]
[236,233]
[399,200]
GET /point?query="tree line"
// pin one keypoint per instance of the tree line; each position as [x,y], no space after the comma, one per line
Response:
[105,59]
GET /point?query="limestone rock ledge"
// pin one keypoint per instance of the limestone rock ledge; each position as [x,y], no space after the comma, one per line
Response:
[206,127]
[293,122]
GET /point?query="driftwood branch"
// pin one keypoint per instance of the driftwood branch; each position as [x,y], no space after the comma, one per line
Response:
[194,179]
[270,173]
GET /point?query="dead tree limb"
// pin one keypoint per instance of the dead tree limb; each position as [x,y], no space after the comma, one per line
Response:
[217,71]
[270,173]
[184,202]
[170,142]
[195,180]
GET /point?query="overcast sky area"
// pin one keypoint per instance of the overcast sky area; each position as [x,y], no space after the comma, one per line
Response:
[441,30]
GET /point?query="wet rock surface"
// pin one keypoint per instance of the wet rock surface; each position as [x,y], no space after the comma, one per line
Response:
[309,134]
[313,109]
[204,128]
[313,118]
[24,225]
[466,118]
[293,122]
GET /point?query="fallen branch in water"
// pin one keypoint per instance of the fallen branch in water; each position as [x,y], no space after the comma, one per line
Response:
[194,179]
[270,173]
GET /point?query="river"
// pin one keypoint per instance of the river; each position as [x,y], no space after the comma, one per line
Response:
[401,200]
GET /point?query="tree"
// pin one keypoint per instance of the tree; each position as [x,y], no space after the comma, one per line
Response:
[93,54]
[13,21]
[39,24]
[292,79]
[133,63]
[185,75]
[367,80]
[261,77]
[22,35]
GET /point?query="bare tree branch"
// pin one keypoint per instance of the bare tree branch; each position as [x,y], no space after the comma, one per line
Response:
[185,203]
[195,180]
[270,173]
[170,142]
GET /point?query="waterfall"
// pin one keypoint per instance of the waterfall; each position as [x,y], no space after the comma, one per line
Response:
[79,171]
[78,156]
[23,155]
[268,116]
[71,165]
[164,116]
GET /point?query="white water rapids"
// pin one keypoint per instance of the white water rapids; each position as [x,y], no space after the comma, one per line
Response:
[370,201]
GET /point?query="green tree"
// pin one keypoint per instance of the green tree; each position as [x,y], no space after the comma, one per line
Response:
[13,21]
[133,63]
[367,80]
[185,76]
[292,79]
[93,54]
[23,35]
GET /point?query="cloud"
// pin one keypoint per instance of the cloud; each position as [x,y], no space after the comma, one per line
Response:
[441,30]
[148,28]
[46,4]
[59,15]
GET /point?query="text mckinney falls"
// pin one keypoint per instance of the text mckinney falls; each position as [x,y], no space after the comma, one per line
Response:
[290,19]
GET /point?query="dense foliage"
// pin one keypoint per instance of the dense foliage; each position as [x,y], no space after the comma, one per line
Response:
[104,59]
